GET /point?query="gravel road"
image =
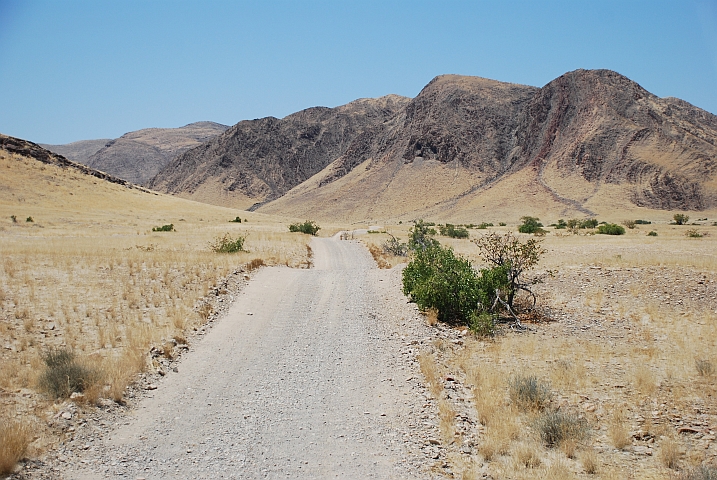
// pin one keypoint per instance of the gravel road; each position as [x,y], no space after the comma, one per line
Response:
[303,378]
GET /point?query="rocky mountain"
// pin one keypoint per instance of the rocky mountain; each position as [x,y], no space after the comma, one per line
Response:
[138,156]
[588,142]
[259,160]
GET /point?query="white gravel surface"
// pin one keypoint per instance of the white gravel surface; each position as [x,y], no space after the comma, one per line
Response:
[311,374]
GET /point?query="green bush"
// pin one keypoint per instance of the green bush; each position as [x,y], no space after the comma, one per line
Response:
[652,234]
[693,233]
[452,231]
[557,426]
[421,235]
[642,222]
[611,229]
[484,225]
[529,393]
[309,227]
[63,375]
[681,218]
[530,225]
[29,219]
[561,225]
[164,228]
[482,323]
[227,244]
[236,220]
[588,223]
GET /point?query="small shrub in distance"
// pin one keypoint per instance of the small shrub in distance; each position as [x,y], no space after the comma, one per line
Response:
[236,220]
[588,223]
[29,219]
[611,229]
[704,368]
[164,228]
[309,227]
[13,218]
[556,427]
[502,224]
[64,375]
[680,218]
[227,244]
[642,222]
[693,233]
[629,224]
[530,225]
[652,234]
[421,235]
[484,225]
[529,393]
[453,231]
[561,225]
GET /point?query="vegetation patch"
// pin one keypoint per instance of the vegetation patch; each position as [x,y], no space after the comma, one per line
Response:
[453,231]
[15,436]
[64,374]
[529,393]
[556,427]
[531,225]
[236,220]
[164,228]
[309,227]
[228,244]
[680,219]
[611,229]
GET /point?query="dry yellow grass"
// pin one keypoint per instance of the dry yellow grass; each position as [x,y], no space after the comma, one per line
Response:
[15,436]
[89,275]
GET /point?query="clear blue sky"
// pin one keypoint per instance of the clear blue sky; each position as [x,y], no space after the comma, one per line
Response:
[75,70]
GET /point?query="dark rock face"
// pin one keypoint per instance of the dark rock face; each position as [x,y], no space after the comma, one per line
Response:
[596,124]
[265,158]
[78,151]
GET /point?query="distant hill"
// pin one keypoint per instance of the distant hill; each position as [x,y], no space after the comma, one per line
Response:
[589,141]
[77,151]
[138,156]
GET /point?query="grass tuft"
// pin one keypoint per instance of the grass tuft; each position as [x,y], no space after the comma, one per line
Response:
[64,375]
[556,427]
[15,436]
[529,393]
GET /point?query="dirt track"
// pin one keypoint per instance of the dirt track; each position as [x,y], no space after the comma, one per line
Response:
[302,379]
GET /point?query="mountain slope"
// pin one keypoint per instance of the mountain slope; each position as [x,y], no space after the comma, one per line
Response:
[138,156]
[80,151]
[587,142]
[259,160]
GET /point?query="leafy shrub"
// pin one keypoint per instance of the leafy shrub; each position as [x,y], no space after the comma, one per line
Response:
[454,232]
[642,222]
[529,393]
[164,228]
[227,244]
[561,225]
[482,323]
[13,218]
[629,224]
[502,224]
[588,223]
[393,246]
[530,225]
[309,227]
[436,278]
[236,220]
[29,219]
[421,235]
[681,218]
[611,229]
[652,233]
[484,225]
[514,257]
[556,427]
[64,375]
[693,233]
